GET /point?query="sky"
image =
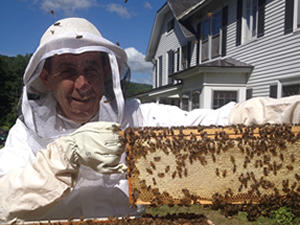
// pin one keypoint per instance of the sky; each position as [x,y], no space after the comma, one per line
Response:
[23,22]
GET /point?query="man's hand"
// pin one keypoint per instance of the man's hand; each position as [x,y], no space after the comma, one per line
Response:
[96,145]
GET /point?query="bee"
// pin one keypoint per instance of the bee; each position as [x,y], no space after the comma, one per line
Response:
[281,157]
[185,172]
[157,159]
[161,175]
[179,174]
[256,163]
[240,188]
[149,188]
[224,173]
[78,36]
[51,12]
[234,168]
[149,171]
[297,177]
[174,174]
[56,24]
[289,167]
[167,169]
[232,159]
[266,171]
[152,165]
[292,158]
[279,166]
[217,172]
[213,157]
[154,181]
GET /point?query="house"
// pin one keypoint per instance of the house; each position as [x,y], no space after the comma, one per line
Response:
[206,53]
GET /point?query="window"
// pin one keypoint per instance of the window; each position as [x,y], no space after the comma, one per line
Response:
[170,25]
[288,90]
[215,31]
[170,62]
[249,93]
[186,56]
[185,100]
[210,35]
[273,91]
[196,99]
[250,20]
[221,98]
[204,37]
[285,89]
[292,16]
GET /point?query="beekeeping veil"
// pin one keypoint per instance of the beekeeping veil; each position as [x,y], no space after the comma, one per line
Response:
[72,36]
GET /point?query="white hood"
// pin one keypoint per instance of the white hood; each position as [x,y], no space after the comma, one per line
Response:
[73,36]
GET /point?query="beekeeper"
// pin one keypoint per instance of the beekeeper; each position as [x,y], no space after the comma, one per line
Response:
[58,161]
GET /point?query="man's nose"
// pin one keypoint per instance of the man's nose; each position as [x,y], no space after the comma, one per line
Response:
[82,84]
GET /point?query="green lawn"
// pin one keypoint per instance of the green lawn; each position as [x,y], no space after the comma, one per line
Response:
[215,216]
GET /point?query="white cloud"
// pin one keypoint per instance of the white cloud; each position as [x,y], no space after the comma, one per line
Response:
[140,69]
[119,9]
[147,5]
[67,6]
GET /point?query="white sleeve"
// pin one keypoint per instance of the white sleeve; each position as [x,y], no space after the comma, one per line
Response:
[166,115]
[16,152]
[28,190]
[263,110]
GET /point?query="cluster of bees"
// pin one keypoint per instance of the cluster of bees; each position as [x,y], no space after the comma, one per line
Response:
[238,168]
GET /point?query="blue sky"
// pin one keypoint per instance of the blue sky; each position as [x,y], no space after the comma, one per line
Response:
[23,22]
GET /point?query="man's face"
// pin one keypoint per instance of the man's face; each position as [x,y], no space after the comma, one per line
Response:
[77,82]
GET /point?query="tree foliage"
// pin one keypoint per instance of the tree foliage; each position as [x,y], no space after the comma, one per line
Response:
[11,82]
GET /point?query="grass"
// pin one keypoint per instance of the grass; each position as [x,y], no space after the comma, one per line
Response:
[215,216]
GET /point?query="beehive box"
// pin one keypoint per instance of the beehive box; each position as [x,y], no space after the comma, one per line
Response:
[214,165]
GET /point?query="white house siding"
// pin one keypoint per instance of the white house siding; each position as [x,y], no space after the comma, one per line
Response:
[168,41]
[275,55]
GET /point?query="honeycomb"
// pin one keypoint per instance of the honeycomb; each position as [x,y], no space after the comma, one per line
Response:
[217,166]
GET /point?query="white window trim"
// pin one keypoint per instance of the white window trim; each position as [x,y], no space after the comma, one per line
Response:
[281,83]
[296,15]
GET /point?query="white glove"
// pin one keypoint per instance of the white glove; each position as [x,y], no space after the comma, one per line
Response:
[96,145]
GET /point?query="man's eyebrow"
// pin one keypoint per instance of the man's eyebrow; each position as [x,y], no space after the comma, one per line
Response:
[92,62]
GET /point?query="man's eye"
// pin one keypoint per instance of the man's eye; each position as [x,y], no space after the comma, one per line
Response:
[68,72]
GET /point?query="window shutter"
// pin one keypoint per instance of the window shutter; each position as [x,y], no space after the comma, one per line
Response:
[178,58]
[289,14]
[261,18]
[156,72]
[224,29]
[189,54]
[249,93]
[198,44]
[239,13]
[273,91]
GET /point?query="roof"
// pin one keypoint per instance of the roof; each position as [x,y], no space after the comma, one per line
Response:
[167,87]
[228,62]
[221,65]
[178,7]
